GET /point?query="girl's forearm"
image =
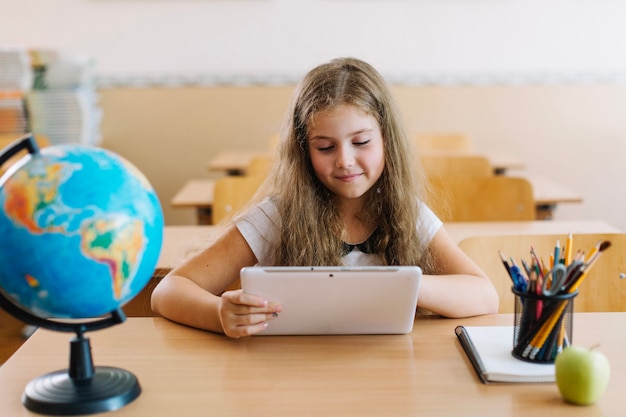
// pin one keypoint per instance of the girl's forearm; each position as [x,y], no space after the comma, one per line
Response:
[458,295]
[181,300]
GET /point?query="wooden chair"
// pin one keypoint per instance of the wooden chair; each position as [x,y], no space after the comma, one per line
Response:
[231,193]
[471,165]
[260,165]
[494,198]
[603,289]
[443,141]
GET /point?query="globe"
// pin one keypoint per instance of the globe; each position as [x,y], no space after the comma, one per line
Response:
[81,232]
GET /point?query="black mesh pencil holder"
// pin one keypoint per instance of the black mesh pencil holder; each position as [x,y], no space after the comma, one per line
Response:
[543,325]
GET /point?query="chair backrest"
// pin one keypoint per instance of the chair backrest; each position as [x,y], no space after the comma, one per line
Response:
[603,289]
[495,198]
[231,193]
[472,165]
[260,165]
[444,141]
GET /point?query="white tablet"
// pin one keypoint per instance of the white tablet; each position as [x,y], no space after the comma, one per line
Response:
[337,300]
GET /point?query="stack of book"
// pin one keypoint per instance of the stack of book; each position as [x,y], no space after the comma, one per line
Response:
[15,81]
[63,102]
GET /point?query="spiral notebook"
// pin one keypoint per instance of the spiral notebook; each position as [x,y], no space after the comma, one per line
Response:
[337,300]
[489,350]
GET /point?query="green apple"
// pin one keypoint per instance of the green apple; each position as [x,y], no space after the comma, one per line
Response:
[581,374]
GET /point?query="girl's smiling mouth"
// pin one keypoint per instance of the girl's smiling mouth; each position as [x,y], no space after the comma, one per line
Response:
[349,177]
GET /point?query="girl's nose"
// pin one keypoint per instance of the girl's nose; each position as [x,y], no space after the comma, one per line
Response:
[345,157]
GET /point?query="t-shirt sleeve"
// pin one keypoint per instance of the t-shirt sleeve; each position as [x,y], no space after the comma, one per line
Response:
[260,228]
[430,223]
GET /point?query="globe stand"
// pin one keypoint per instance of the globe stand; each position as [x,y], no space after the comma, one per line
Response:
[83,388]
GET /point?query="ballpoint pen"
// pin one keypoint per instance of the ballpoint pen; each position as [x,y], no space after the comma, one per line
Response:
[506,265]
[521,283]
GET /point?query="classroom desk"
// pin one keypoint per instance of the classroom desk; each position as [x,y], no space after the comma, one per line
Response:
[180,241]
[185,371]
[499,160]
[235,162]
[548,194]
[462,230]
[198,194]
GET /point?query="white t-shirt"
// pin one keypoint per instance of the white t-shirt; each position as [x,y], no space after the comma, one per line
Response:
[260,227]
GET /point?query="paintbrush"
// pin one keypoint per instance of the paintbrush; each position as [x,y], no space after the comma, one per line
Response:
[584,270]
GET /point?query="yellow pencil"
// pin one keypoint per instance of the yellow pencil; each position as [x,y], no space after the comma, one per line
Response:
[542,335]
[568,249]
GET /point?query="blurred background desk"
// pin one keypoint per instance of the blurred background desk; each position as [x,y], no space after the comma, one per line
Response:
[463,230]
[198,194]
[549,193]
[181,241]
[234,162]
[393,375]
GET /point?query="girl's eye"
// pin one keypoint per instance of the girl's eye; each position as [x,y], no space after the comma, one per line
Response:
[361,142]
[324,148]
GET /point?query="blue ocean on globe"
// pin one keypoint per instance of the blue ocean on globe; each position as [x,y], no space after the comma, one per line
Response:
[81,231]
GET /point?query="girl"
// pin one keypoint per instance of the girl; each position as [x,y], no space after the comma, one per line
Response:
[344,191]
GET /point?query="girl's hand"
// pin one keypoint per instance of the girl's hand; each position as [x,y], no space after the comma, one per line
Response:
[245,314]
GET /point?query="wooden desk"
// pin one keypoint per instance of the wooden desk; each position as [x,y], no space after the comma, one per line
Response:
[549,193]
[198,194]
[462,230]
[180,241]
[235,162]
[499,160]
[184,371]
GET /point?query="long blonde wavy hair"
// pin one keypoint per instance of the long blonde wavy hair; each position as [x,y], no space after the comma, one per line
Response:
[311,226]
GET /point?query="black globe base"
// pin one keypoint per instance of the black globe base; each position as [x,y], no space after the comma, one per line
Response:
[57,393]
[82,388]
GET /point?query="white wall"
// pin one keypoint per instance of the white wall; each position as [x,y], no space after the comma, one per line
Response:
[289,36]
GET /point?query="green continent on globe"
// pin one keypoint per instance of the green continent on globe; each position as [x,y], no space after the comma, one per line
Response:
[115,243]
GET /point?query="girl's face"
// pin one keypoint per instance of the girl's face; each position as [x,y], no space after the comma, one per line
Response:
[346,148]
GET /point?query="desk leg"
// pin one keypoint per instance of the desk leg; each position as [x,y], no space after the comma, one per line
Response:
[545,211]
[204,215]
